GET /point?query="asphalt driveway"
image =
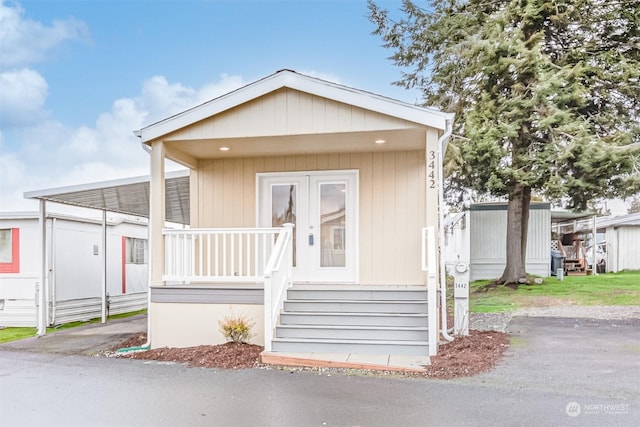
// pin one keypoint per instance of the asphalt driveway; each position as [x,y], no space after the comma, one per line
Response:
[558,371]
[83,340]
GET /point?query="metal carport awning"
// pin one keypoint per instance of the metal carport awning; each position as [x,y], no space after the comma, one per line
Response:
[128,196]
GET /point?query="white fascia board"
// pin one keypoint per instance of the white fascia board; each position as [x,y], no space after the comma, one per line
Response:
[369,101]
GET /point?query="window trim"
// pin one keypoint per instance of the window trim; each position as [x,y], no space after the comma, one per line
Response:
[14,265]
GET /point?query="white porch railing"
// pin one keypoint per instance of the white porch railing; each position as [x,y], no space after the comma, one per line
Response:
[430,266]
[235,255]
[218,255]
[278,275]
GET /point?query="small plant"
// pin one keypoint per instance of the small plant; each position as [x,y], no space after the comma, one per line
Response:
[236,329]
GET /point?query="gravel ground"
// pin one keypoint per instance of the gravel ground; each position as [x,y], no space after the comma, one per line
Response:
[499,321]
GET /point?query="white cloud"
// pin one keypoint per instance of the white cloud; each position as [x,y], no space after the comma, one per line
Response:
[160,99]
[227,83]
[51,154]
[25,41]
[22,97]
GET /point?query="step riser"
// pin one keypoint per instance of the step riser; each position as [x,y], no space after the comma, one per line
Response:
[352,334]
[346,320]
[355,307]
[356,295]
[354,348]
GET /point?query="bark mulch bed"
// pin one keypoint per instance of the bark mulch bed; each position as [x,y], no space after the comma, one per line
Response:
[466,356]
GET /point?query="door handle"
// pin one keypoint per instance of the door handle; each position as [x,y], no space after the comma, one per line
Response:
[310,239]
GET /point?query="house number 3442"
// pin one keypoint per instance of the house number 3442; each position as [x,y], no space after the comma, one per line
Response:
[431,169]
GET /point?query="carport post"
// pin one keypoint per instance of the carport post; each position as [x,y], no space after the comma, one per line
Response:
[42,300]
[103,265]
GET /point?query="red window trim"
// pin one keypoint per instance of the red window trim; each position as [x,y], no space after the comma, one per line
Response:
[14,265]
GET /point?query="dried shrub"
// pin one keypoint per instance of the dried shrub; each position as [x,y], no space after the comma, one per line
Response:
[236,329]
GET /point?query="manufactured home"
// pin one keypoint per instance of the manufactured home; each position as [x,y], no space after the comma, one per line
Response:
[314,211]
[73,285]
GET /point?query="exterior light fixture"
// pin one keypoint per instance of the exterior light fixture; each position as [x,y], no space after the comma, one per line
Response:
[224,148]
[380,141]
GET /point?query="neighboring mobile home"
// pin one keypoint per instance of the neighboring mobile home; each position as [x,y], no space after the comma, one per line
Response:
[358,176]
[74,281]
[622,237]
[478,236]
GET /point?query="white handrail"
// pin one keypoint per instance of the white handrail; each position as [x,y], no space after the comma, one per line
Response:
[277,279]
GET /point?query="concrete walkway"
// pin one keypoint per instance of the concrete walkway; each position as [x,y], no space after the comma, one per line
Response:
[83,340]
[384,362]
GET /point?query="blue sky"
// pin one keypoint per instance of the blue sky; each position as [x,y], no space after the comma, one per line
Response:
[77,77]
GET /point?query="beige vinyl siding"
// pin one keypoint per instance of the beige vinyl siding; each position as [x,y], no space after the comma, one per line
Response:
[392,207]
[288,112]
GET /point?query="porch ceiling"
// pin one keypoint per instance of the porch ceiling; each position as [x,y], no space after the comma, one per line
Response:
[320,143]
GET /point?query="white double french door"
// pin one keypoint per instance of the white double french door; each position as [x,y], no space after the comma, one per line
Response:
[323,206]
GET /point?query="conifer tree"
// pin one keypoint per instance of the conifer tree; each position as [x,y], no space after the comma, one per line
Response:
[546,95]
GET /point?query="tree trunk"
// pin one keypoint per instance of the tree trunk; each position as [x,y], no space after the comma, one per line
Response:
[516,245]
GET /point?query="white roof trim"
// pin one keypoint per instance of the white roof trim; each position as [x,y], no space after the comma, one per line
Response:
[286,78]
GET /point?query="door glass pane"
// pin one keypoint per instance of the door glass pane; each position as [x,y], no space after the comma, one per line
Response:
[283,209]
[332,224]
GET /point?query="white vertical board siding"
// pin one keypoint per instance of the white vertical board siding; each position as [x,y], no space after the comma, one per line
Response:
[77,268]
[392,203]
[488,233]
[74,270]
[623,249]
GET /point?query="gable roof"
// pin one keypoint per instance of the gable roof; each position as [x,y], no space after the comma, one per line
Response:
[290,79]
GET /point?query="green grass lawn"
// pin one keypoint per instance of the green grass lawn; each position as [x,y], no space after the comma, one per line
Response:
[13,334]
[605,289]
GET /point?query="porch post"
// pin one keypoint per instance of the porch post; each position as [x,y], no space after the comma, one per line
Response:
[157,213]
[432,212]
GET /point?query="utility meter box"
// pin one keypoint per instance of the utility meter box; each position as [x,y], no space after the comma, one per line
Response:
[461,299]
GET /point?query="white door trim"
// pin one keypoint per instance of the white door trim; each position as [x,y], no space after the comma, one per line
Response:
[352,177]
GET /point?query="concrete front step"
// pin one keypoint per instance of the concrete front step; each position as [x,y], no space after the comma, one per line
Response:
[359,293]
[302,345]
[355,319]
[380,333]
[347,306]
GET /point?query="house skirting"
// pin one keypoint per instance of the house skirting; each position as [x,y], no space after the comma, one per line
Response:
[186,315]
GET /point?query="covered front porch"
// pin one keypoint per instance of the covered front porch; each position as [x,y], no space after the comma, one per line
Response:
[298,180]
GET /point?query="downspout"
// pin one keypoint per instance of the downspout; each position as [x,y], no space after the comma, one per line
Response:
[442,145]
[146,345]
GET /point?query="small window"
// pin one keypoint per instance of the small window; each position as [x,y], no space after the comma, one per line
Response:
[9,250]
[136,251]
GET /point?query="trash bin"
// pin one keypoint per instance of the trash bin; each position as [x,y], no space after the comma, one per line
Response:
[557,262]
